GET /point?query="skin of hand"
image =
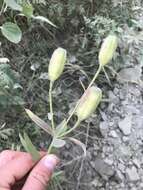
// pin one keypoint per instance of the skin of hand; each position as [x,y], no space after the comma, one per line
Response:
[19,172]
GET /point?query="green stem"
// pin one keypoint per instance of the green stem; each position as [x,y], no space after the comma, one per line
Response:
[51,105]
[72,129]
[95,76]
[2,8]
[50,146]
[91,83]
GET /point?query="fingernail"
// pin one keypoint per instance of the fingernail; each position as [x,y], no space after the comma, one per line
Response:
[50,162]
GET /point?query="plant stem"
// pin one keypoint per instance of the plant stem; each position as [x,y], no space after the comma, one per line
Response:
[72,129]
[2,8]
[95,76]
[51,105]
[91,83]
[50,146]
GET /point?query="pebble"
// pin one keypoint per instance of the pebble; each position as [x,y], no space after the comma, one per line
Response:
[125,139]
[121,167]
[104,169]
[125,125]
[129,74]
[132,175]
[103,128]
[119,176]
[108,161]
[136,162]
[113,134]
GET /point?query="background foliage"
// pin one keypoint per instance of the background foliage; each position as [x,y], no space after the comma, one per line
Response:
[82,25]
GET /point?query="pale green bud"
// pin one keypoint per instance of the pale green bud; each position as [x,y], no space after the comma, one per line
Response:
[88,102]
[108,49]
[57,63]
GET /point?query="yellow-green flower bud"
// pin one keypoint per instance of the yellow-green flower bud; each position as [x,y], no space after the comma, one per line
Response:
[88,102]
[57,63]
[108,49]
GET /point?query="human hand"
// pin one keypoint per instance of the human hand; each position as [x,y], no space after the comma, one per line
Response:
[19,172]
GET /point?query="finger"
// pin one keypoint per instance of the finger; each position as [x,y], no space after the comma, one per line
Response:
[8,155]
[15,170]
[40,175]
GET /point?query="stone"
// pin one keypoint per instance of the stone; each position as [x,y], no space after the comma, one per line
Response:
[121,167]
[108,161]
[113,134]
[125,139]
[125,125]
[136,162]
[130,75]
[103,128]
[112,97]
[103,169]
[119,176]
[131,174]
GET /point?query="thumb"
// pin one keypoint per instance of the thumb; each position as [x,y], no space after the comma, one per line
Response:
[40,175]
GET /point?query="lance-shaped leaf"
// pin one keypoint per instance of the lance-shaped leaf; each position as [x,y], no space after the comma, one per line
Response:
[29,147]
[44,19]
[42,124]
[61,128]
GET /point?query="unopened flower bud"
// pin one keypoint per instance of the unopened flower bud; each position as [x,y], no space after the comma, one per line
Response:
[88,102]
[57,63]
[108,49]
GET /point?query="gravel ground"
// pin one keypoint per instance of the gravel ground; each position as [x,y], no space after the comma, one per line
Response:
[115,156]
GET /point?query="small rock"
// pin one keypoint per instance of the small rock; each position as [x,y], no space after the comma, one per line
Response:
[125,151]
[125,139]
[95,182]
[113,134]
[119,176]
[104,169]
[121,167]
[112,97]
[136,162]
[141,185]
[103,128]
[125,125]
[130,74]
[132,174]
[108,161]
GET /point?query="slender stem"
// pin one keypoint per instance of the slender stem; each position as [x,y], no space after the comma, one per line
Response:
[91,83]
[72,129]
[50,146]
[2,8]
[51,105]
[95,76]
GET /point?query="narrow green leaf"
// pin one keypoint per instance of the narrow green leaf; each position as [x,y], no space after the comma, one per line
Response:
[44,19]
[42,124]
[12,32]
[13,5]
[23,142]
[57,174]
[58,143]
[61,128]
[29,147]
